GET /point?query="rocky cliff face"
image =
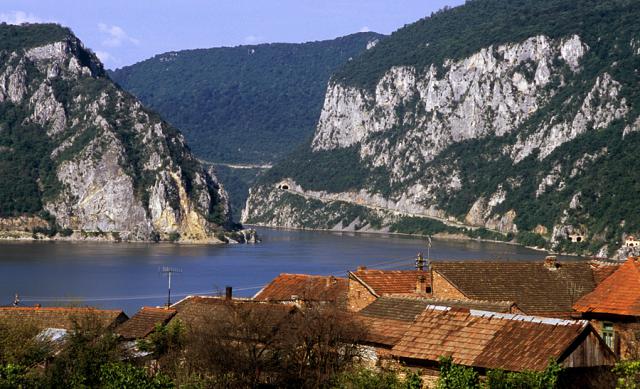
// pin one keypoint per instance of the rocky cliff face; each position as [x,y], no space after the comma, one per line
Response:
[111,168]
[508,139]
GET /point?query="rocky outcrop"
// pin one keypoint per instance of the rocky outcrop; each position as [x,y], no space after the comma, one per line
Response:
[118,170]
[489,93]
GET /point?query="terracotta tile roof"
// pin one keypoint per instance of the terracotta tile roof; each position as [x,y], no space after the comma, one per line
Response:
[408,308]
[532,286]
[305,287]
[381,331]
[196,310]
[603,270]
[60,317]
[489,340]
[144,322]
[386,282]
[387,307]
[618,294]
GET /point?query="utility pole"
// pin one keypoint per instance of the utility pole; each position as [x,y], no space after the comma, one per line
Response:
[169,271]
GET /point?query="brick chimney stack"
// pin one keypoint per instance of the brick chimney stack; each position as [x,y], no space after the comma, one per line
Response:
[551,262]
[421,285]
[228,295]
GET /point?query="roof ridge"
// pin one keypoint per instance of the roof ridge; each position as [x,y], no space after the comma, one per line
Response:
[507,316]
[308,276]
[59,309]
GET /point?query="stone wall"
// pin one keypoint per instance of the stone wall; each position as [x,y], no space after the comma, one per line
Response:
[443,289]
[358,296]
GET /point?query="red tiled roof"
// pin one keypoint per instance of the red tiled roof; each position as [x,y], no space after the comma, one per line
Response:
[60,317]
[383,331]
[532,286]
[305,287]
[144,322]
[198,310]
[387,282]
[603,270]
[489,340]
[408,308]
[618,294]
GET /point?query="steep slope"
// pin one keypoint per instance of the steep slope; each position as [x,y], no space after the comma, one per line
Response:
[84,159]
[245,104]
[497,119]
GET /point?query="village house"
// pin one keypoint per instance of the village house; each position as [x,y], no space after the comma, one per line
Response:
[488,340]
[198,311]
[613,307]
[389,317]
[367,285]
[544,288]
[144,322]
[303,288]
[631,241]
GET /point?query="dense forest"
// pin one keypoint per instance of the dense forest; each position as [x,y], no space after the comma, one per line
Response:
[245,104]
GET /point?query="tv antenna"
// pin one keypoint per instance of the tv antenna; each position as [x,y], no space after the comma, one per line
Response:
[420,261]
[169,272]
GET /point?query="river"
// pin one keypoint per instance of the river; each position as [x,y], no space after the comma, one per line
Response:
[127,275]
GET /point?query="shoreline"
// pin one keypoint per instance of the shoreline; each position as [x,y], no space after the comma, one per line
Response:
[442,236]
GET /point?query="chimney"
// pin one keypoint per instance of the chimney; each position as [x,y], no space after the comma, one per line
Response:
[550,262]
[421,285]
[331,280]
[362,268]
[38,306]
[228,295]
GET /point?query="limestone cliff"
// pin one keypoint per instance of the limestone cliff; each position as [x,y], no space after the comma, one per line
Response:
[107,168]
[528,137]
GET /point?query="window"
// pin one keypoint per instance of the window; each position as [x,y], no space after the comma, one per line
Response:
[608,333]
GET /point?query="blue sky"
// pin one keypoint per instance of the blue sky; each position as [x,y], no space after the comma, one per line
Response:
[123,32]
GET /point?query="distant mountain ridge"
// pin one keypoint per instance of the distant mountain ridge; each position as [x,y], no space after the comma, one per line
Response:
[510,120]
[245,104]
[82,159]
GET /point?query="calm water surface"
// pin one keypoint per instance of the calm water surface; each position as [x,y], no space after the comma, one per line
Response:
[127,276]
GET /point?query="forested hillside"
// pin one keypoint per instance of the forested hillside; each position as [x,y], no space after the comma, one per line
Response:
[82,159]
[246,104]
[520,118]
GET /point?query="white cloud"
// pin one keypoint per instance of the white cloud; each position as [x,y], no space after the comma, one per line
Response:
[105,56]
[19,17]
[115,36]
[253,39]
[365,29]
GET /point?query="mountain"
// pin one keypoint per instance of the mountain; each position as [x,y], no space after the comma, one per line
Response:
[511,120]
[82,159]
[246,104]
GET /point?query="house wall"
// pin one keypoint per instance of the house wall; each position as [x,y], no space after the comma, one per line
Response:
[443,289]
[626,334]
[358,296]
[590,352]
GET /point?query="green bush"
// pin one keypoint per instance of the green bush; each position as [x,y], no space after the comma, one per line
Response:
[363,378]
[628,374]
[546,379]
[454,376]
[126,376]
